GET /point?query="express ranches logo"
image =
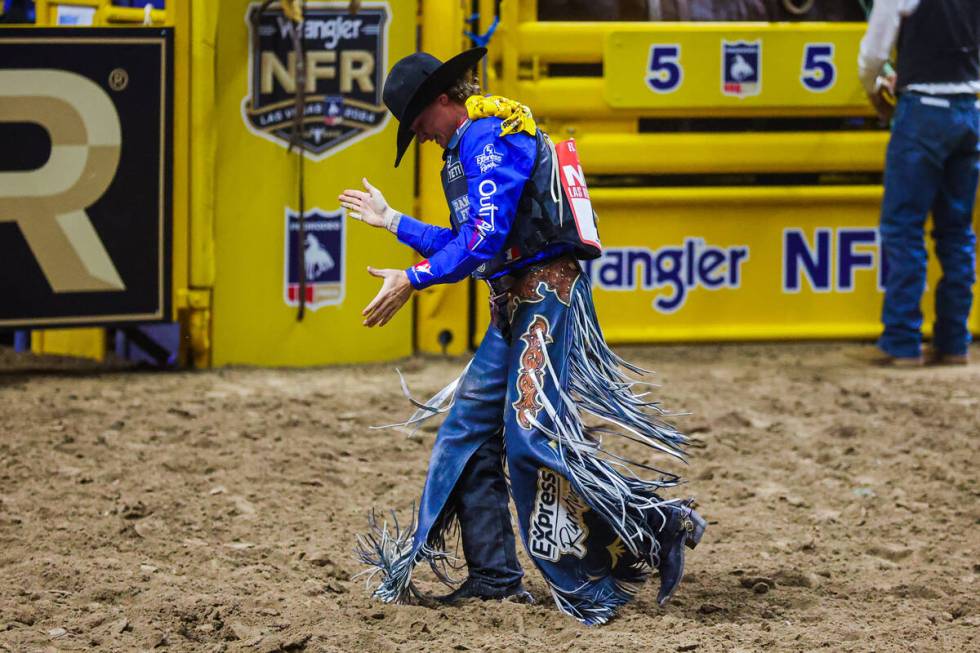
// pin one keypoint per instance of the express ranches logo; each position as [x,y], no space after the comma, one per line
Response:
[557,525]
[345,57]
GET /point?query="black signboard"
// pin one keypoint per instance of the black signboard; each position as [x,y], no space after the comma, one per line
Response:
[85,175]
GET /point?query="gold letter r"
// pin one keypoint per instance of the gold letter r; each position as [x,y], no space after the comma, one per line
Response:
[48,204]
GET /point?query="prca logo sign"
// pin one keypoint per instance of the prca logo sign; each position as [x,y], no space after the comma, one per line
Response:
[741,66]
[323,255]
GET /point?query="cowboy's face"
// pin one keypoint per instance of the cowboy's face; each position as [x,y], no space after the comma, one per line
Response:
[437,122]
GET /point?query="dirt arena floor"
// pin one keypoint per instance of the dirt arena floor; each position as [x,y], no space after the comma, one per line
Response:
[216,511]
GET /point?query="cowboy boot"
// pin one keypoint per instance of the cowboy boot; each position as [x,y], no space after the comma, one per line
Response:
[473,589]
[684,527]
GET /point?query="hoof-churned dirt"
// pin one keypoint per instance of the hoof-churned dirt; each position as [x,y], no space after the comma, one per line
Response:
[217,511]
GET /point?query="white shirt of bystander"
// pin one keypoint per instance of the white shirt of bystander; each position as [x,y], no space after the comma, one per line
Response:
[876,47]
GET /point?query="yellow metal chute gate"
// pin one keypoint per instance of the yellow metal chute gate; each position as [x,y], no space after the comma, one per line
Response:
[675,142]
[714,229]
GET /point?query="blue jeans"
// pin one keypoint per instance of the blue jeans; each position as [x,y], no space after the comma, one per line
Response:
[482,506]
[932,164]
[480,498]
[466,476]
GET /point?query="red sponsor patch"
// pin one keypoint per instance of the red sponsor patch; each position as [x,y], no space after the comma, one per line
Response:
[573,182]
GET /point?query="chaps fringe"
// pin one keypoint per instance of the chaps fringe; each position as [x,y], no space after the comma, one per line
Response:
[596,384]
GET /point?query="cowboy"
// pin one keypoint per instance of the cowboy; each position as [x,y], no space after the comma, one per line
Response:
[520,220]
[931,165]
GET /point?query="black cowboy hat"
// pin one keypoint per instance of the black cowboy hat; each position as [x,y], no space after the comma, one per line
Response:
[415,81]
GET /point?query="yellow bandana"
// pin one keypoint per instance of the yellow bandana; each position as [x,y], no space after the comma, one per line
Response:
[516,116]
[293,9]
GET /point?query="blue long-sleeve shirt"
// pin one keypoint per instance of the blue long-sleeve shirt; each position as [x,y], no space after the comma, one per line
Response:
[496,168]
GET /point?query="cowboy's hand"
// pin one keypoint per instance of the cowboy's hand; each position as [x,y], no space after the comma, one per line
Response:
[370,207]
[883,99]
[394,292]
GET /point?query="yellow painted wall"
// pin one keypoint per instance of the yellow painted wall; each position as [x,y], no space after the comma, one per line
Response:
[82,343]
[255,180]
[442,308]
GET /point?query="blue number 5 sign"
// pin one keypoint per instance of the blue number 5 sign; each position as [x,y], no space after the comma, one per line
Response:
[819,72]
[664,72]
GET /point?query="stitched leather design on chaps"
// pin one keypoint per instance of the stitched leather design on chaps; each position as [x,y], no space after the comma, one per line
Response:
[532,368]
[558,277]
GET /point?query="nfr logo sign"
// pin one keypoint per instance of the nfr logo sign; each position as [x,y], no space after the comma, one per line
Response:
[84,176]
[856,249]
[345,59]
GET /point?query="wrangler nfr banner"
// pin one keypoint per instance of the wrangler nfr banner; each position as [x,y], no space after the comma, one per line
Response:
[84,176]
[344,63]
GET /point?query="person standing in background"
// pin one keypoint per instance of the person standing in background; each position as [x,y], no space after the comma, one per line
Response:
[932,163]
[520,220]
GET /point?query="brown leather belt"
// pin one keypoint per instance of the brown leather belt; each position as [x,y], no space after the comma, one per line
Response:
[508,291]
[542,271]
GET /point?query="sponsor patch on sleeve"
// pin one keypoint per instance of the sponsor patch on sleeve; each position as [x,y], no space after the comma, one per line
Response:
[488,159]
[422,267]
